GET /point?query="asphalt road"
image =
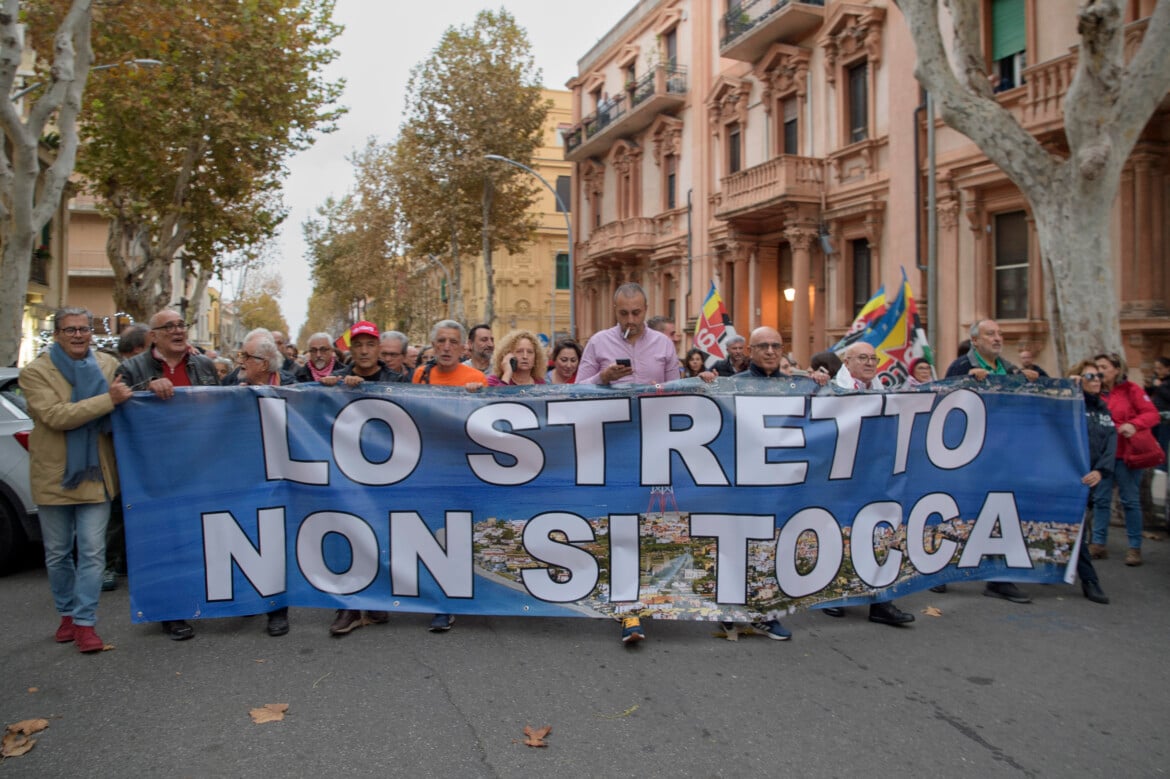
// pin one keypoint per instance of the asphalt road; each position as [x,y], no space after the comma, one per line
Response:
[1060,687]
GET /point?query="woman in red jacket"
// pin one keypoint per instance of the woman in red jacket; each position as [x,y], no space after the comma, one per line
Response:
[1132,413]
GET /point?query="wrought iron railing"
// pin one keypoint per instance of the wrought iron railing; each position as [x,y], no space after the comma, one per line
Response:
[646,87]
[742,17]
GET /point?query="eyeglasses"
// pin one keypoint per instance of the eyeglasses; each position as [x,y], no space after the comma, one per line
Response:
[171,327]
[1092,376]
[325,349]
[391,354]
[771,346]
[75,330]
[246,356]
[868,359]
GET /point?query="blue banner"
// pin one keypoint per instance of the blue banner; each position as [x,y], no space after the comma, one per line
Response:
[733,500]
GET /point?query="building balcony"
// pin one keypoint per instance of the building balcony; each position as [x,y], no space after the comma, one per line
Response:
[623,238]
[663,88]
[766,190]
[752,26]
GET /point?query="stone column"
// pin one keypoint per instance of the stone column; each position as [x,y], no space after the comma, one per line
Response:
[800,239]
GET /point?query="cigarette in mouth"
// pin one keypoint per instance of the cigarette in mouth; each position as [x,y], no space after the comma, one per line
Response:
[626,334]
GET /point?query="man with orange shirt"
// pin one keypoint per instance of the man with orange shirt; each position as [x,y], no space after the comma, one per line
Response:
[448,337]
[447,370]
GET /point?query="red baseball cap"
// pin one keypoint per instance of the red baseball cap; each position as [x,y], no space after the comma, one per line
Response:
[364,328]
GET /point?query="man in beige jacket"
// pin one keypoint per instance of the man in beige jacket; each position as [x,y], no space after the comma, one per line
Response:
[71,390]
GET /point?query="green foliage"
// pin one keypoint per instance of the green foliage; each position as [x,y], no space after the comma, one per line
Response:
[190,154]
[478,93]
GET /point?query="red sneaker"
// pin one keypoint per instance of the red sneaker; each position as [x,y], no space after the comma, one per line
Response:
[86,639]
[64,632]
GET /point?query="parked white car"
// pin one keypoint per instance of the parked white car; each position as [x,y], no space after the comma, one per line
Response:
[18,513]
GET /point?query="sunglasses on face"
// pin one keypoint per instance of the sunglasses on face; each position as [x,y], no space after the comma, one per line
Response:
[1092,376]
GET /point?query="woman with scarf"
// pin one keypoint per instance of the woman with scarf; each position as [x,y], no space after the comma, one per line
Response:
[71,391]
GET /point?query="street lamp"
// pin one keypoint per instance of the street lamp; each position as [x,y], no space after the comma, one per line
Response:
[569,232]
[135,62]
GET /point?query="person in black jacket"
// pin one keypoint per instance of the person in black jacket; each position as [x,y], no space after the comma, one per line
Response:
[170,362]
[1102,451]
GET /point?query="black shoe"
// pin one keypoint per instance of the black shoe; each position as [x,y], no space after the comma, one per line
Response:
[378,617]
[833,611]
[109,580]
[178,630]
[939,588]
[1094,592]
[278,622]
[1007,591]
[889,614]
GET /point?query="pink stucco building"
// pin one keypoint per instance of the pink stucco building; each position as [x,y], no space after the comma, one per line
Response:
[780,146]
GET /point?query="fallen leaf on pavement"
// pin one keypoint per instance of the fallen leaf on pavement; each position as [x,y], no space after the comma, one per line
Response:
[932,611]
[269,712]
[16,739]
[534,737]
[28,726]
[33,689]
[108,647]
[15,745]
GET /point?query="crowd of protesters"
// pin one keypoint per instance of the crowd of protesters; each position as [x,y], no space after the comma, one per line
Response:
[72,389]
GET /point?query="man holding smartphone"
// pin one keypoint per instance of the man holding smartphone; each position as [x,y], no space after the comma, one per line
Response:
[629,352]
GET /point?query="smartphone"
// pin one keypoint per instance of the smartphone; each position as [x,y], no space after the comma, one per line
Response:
[515,365]
[624,361]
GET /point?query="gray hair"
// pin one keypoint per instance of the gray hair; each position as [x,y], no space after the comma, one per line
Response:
[659,322]
[65,311]
[735,339]
[394,335]
[132,338]
[448,324]
[628,290]
[326,336]
[974,331]
[265,346]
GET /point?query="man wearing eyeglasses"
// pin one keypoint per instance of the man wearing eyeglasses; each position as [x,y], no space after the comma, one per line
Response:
[859,372]
[71,390]
[169,363]
[392,351]
[859,368]
[322,362]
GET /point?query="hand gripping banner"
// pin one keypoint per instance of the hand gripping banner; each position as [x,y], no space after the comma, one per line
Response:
[735,500]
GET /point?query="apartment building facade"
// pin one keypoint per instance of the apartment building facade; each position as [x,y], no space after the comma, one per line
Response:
[532,287]
[778,147]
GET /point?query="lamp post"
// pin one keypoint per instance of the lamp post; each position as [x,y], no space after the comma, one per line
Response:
[568,231]
[135,62]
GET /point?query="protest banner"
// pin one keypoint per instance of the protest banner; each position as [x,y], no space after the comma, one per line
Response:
[725,501]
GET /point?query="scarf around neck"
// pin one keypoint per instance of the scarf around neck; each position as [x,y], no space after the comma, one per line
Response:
[81,443]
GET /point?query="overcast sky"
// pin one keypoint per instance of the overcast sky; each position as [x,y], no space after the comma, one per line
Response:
[383,40]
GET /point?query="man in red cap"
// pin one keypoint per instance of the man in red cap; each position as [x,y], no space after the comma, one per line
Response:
[363,346]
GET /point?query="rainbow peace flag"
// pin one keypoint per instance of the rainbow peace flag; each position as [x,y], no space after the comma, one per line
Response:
[895,331]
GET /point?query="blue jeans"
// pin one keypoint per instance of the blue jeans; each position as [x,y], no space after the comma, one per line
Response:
[76,587]
[1128,483]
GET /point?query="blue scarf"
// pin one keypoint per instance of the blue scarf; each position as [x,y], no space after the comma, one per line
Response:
[81,443]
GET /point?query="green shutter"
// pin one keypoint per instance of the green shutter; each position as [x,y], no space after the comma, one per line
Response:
[1007,28]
